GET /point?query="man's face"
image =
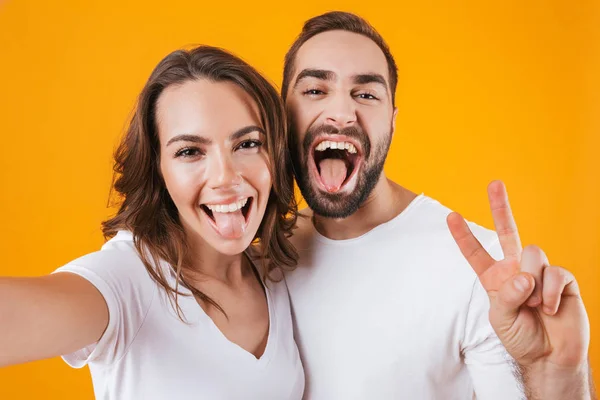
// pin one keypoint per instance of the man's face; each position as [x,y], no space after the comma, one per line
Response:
[342,119]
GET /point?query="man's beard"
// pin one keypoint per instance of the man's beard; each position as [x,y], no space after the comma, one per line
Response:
[339,205]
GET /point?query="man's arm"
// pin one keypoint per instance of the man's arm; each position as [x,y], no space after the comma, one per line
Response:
[550,382]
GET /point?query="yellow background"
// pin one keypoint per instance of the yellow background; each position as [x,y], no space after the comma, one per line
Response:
[487,90]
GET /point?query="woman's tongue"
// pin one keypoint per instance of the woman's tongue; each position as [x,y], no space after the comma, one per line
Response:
[230,225]
[333,173]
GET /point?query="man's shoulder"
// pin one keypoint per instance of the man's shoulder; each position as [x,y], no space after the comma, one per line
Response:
[423,216]
[430,218]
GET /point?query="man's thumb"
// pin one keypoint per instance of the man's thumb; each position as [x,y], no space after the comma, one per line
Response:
[511,296]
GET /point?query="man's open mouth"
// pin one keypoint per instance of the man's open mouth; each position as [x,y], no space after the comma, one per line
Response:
[336,161]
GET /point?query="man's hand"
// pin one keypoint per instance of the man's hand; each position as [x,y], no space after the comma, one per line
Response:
[535,308]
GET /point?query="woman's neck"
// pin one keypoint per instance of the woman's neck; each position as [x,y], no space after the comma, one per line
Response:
[207,263]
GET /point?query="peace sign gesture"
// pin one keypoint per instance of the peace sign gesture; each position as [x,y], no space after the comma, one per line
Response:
[536,309]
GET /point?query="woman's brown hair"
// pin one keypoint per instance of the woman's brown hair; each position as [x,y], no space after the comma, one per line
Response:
[146,208]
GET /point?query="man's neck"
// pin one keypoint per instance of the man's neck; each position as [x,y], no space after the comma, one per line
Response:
[386,201]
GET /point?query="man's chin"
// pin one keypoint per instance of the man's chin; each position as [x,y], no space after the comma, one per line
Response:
[331,205]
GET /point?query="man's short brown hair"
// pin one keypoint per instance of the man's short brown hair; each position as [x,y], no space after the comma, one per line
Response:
[334,21]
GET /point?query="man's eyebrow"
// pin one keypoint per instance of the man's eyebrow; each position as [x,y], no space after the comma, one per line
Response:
[321,74]
[363,79]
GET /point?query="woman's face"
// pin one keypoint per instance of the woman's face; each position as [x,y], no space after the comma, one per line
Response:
[213,162]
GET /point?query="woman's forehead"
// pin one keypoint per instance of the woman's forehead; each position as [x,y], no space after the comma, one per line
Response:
[205,107]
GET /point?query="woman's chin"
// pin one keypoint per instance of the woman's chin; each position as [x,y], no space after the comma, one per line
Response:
[233,248]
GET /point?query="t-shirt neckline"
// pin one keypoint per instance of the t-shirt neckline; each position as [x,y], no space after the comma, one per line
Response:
[381,227]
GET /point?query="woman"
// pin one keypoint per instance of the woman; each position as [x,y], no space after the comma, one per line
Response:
[184,300]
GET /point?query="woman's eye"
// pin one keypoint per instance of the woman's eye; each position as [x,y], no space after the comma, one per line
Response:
[188,152]
[250,144]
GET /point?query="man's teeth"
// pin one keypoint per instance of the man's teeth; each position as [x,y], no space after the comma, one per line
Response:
[349,147]
[227,208]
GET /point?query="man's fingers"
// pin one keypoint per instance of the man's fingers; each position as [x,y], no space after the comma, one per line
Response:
[557,282]
[472,250]
[511,296]
[505,224]
[534,261]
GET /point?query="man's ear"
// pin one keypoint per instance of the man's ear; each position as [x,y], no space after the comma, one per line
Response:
[394,120]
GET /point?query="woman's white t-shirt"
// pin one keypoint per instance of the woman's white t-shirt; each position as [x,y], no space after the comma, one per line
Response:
[147,352]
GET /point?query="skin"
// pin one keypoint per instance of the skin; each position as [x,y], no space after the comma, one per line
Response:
[341,101]
[542,322]
[58,314]
[535,308]
[212,153]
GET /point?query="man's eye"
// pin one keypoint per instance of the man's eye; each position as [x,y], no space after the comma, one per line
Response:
[313,92]
[367,96]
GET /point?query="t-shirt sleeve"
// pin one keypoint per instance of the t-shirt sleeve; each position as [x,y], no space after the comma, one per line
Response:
[121,278]
[490,366]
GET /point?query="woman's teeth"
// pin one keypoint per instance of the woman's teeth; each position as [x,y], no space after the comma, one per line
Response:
[227,208]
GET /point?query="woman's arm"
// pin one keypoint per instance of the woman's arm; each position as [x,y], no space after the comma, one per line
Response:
[48,316]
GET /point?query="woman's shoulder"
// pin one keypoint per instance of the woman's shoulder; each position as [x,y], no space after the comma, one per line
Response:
[118,250]
[117,260]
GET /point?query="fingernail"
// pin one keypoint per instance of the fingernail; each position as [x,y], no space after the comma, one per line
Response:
[521,283]
[534,300]
[547,310]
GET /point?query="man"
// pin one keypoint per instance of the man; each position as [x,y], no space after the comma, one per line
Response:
[385,304]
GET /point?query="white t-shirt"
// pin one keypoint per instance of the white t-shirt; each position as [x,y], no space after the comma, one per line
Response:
[148,353]
[397,313]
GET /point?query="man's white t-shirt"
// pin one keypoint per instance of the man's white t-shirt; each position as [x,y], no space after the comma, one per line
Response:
[148,353]
[397,313]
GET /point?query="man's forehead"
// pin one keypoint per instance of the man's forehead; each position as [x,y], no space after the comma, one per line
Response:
[344,53]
